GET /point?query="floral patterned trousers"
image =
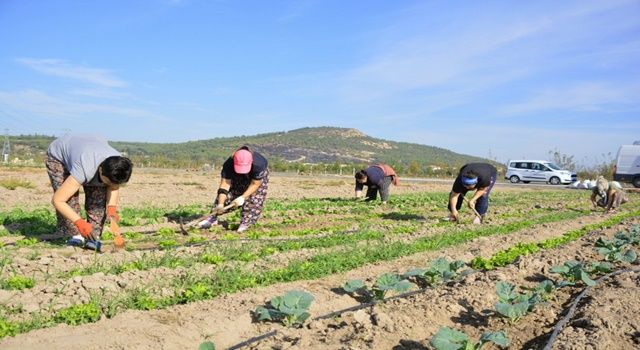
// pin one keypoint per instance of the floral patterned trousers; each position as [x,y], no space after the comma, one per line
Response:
[95,200]
[253,205]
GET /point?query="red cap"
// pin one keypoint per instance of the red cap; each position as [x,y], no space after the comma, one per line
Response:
[242,160]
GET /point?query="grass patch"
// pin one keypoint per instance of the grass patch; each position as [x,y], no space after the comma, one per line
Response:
[17,282]
[509,255]
[12,184]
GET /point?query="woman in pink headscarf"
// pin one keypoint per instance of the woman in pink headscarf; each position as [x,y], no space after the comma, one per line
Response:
[244,182]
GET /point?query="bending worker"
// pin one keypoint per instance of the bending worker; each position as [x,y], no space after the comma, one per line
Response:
[244,183]
[86,161]
[473,176]
[611,195]
[377,178]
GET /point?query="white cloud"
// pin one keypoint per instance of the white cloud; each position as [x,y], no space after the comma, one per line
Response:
[64,69]
[43,105]
[582,97]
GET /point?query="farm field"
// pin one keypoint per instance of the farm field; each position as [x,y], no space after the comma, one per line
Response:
[172,290]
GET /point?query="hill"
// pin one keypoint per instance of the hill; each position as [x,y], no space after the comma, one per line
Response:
[323,146]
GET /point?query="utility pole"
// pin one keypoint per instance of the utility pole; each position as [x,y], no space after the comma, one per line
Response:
[6,147]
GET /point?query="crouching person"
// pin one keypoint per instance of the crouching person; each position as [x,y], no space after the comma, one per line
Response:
[86,161]
[473,176]
[244,183]
[377,178]
[608,195]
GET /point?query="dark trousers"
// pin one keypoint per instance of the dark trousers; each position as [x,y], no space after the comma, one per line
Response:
[482,204]
[372,191]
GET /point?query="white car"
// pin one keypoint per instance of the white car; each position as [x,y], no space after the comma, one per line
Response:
[538,170]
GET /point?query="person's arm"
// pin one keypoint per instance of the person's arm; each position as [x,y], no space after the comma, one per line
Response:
[225,184]
[60,197]
[113,195]
[611,194]
[358,190]
[479,193]
[453,201]
[253,187]
[593,199]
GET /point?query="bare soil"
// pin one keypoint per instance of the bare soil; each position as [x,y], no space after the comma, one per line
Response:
[607,319]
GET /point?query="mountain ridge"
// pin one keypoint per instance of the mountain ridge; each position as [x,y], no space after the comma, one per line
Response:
[309,145]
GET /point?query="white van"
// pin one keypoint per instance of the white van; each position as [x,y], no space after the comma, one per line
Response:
[538,170]
[627,168]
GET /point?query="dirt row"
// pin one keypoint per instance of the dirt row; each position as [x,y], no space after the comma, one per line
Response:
[52,293]
[227,319]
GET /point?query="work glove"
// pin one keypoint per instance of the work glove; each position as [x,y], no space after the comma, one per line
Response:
[219,209]
[208,222]
[238,202]
[85,228]
[112,213]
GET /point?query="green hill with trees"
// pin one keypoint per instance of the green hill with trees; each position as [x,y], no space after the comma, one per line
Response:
[317,149]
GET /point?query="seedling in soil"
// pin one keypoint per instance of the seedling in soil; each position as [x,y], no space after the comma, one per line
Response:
[451,339]
[613,250]
[7,328]
[439,271]
[78,314]
[573,272]
[632,237]
[17,282]
[544,289]
[207,346]
[514,305]
[386,282]
[291,308]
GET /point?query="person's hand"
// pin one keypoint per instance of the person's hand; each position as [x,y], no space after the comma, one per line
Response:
[85,228]
[472,203]
[112,213]
[219,209]
[453,216]
[238,202]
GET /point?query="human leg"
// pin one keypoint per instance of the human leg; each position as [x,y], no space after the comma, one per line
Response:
[57,174]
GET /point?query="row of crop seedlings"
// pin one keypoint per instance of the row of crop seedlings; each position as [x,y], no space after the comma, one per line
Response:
[244,253]
[292,308]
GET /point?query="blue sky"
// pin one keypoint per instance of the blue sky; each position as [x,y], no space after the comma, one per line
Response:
[505,79]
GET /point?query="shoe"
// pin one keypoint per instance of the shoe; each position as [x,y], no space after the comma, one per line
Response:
[477,220]
[208,222]
[76,241]
[242,228]
[93,245]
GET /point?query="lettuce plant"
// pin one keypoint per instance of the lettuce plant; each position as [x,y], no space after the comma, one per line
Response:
[613,249]
[573,272]
[451,339]
[544,289]
[440,270]
[386,282]
[291,308]
[512,304]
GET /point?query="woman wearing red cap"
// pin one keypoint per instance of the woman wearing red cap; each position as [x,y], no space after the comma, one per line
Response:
[245,179]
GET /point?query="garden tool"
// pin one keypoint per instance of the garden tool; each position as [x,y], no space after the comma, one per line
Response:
[194,222]
[118,241]
[474,209]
